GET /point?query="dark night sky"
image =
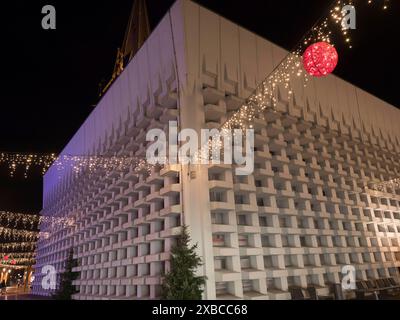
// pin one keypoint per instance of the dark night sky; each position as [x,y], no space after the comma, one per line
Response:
[50,78]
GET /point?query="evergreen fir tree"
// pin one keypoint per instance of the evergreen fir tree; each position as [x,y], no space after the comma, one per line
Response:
[181,283]
[66,288]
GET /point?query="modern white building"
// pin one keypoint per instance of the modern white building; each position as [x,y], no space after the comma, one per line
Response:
[304,214]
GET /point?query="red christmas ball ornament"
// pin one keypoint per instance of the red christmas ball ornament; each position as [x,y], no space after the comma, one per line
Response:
[13,262]
[320,59]
[5,258]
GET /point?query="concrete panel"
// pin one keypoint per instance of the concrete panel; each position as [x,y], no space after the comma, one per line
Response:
[265,60]
[248,63]
[230,56]
[209,47]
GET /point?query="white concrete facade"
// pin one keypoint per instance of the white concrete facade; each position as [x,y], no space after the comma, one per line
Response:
[297,220]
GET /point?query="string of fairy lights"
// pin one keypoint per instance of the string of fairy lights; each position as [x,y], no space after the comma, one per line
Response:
[18,238]
[19,220]
[18,235]
[17,246]
[383,186]
[17,255]
[26,160]
[385,4]
[74,163]
[93,163]
[11,234]
[12,258]
[18,262]
[21,225]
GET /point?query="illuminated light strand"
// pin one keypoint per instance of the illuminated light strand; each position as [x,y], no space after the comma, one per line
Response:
[384,185]
[26,160]
[13,267]
[9,233]
[91,164]
[10,219]
[32,221]
[16,255]
[14,246]
[18,262]
[385,4]
[75,162]
[57,221]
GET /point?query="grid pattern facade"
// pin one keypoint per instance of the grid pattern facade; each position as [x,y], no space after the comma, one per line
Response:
[124,225]
[305,212]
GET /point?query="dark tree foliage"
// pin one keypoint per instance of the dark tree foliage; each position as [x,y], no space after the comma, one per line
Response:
[181,283]
[66,288]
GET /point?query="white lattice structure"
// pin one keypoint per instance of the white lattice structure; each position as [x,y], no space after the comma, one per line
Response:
[302,215]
